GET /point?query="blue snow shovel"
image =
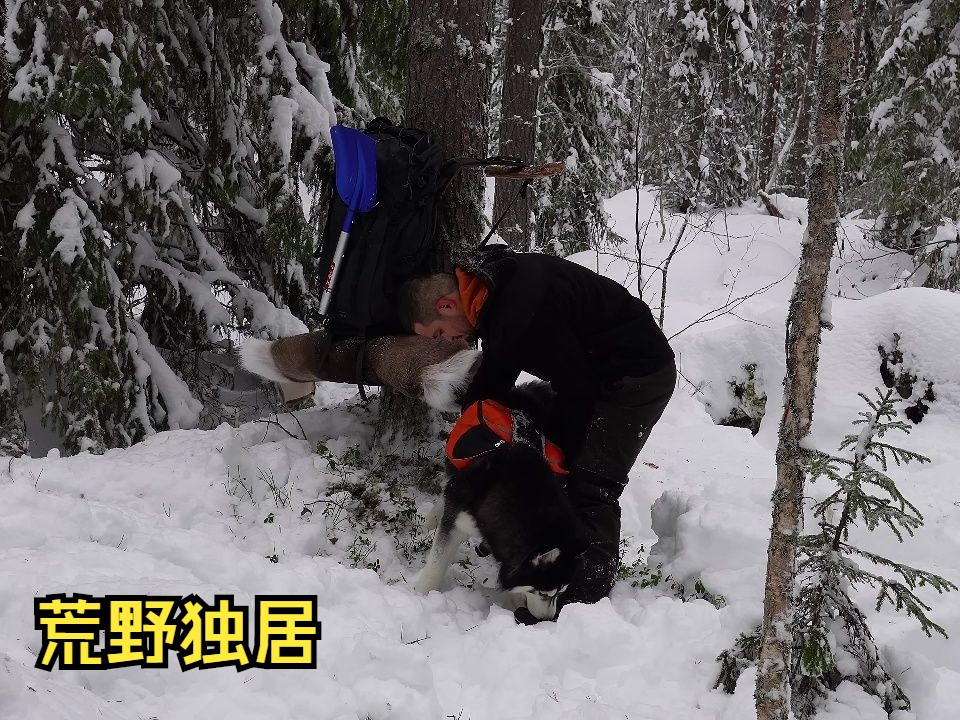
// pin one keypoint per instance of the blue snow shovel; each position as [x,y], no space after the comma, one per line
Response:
[355,162]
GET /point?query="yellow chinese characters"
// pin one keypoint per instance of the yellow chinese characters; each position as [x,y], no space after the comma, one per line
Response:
[117,631]
[70,630]
[287,632]
[139,631]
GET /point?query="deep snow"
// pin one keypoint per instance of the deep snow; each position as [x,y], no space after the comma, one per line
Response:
[184,512]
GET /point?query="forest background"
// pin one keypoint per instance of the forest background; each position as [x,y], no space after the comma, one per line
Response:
[164,167]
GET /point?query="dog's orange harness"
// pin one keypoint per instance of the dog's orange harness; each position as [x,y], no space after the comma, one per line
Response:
[487,425]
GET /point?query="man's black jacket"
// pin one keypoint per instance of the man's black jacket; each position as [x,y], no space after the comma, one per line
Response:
[564,324]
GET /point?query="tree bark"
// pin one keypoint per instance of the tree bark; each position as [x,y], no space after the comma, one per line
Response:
[518,121]
[801,141]
[448,90]
[768,125]
[804,324]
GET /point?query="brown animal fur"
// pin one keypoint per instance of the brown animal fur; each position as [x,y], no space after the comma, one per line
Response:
[402,363]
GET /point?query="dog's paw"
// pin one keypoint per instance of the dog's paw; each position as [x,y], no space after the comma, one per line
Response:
[425,586]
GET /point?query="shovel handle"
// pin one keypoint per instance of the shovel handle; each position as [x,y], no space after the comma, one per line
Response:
[332,273]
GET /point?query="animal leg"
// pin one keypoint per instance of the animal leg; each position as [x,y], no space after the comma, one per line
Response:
[445,544]
[432,519]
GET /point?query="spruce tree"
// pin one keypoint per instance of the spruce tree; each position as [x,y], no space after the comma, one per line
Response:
[151,160]
[909,161]
[831,637]
[715,100]
[584,119]
[382,55]
[831,641]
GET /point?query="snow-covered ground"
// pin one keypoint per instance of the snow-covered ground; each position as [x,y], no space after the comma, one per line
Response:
[234,511]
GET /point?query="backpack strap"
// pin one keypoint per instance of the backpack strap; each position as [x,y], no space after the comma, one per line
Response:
[522,192]
[358,367]
[451,167]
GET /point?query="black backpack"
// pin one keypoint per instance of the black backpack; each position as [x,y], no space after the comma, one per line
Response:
[392,242]
[397,239]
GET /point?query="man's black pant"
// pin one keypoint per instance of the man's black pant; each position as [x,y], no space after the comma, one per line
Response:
[621,422]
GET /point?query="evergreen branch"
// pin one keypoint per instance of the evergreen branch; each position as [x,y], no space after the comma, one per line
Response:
[900,594]
[899,455]
[901,598]
[912,576]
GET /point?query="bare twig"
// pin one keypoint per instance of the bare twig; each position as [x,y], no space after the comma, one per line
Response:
[696,388]
[275,420]
[726,308]
[299,425]
[666,266]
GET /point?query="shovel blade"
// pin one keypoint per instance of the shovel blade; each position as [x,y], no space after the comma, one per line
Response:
[355,163]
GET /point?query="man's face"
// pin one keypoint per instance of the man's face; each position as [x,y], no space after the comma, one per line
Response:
[452,325]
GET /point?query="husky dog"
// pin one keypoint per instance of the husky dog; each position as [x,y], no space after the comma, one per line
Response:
[513,500]
[510,497]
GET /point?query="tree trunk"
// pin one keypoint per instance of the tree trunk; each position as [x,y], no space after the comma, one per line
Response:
[14,285]
[857,126]
[804,324]
[768,125]
[801,141]
[518,121]
[863,63]
[448,90]
[447,94]
[695,139]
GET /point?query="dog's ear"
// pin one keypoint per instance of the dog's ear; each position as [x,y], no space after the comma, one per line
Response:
[545,558]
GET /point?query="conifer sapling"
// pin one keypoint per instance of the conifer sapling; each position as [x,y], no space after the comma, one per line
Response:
[831,639]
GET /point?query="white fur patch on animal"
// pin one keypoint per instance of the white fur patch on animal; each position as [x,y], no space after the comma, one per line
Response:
[542,606]
[443,381]
[467,525]
[547,557]
[432,519]
[255,356]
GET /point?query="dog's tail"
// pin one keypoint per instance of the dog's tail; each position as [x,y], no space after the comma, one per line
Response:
[437,372]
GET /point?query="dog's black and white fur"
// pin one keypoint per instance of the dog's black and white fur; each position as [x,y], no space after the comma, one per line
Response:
[512,499]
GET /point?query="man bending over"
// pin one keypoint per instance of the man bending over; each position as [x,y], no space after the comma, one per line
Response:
[600,349]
